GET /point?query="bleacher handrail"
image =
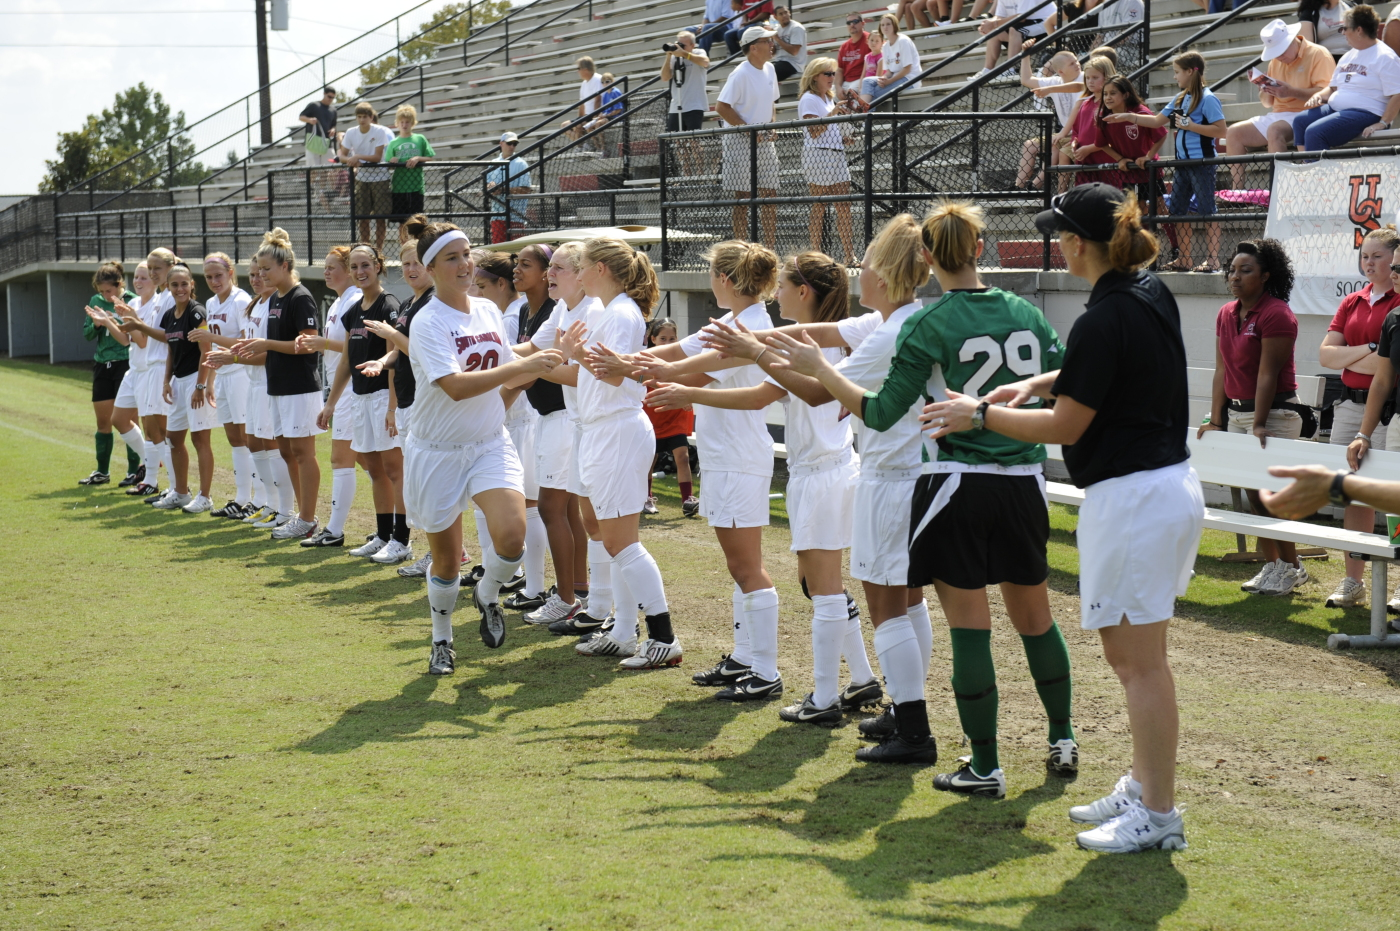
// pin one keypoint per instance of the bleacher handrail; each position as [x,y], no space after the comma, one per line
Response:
[1195,37]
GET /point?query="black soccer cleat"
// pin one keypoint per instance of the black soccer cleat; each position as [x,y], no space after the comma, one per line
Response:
[919,751]
[231,510]
[751,688]
[582,624]
[493,621]
[324,538]
[133,478]
[153,498]
[519,601]
[808,713]
[855,697]
[469,579]
[725,672]
[517,581]
[879,727]
[969,783]
[141,489]
[95,478]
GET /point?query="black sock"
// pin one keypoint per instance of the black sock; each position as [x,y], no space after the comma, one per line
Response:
[911,721]
[401,528]
[384,524]
[659,627]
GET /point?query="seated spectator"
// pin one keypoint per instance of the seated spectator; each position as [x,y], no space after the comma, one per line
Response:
[1064,69]
[714,26]
[607,109]
[824,153]
[913,13]
[791,41]
[874,68]
[362,149]
[900,63]
[1364,94]
[852,54]
[1008,10]
[1323,22]
[408,150]
[737,28]
[590,83]
[514,174]
[1077,144]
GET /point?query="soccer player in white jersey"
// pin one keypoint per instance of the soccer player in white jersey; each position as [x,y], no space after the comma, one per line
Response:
[150,397]
[458,452]
[126,409]
[225,310]
[250,324]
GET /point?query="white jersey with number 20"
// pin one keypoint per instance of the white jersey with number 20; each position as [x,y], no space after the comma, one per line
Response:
[445,341]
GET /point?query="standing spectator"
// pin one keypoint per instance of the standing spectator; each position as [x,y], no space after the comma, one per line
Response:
[824,153]
[874,68]
[716,16]
[364,145]
[734,36]
[515,176]
[852,54]
[320,124]
[409,150]
[1364,95]
[1323,22]
[750,95]
[1083,122]
[901,60]
[1064,69]
[685,69]
[1128,145]
[590,84]
[1008,10]
[791,42]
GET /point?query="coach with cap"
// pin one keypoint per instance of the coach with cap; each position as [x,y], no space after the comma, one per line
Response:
[509,218]
[750,95]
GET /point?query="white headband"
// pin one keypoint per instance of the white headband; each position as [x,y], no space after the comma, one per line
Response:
[442,242]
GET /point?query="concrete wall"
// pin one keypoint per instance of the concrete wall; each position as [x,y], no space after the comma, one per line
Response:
[68,294]
[4,319]
[27,302]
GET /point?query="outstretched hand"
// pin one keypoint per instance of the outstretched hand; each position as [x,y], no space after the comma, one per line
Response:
[737,340]
[804,357]
[664,396]
[604,363]
[371,369]
[1306,496]
[951,416]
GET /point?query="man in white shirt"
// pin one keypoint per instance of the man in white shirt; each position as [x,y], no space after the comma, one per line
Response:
[791,42]
[750,96]
[1008,10]
[361,150]
[590,92]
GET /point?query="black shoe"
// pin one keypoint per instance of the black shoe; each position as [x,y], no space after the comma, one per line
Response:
[230,510]
[443,661]
[469,579]
[96,478]
[808,713]
[969,783]
[879,727]
[133,478]
[896,749]
[516,583]
[520,601]
[140,489]
[324,538]
[582,624]
[152,499]
[493,622]
[725,672]
[606,628]
[751,688]
[855,697]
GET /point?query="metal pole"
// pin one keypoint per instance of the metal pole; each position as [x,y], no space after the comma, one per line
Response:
[869,179]
[236,256]
[1050,179]
[204,228]
[352,203]
[264,74]
[310,247]
[665,245]
[753,186]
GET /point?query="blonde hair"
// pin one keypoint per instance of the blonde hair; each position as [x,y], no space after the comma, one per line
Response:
[827,279]
[607,78]
[342,256]
[277,245]
[809,76]
[407,246]
[750,267]
[162,255]
[630,268]
[571,253]
[895,255]
[1103,66]
[407,111]
[1387,236]
[220,258]
[1131,247]
[950,233]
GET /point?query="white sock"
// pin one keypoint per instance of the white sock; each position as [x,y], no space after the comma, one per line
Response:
[167,462]
[742,653]
[898,649]
[918,616]
[442,598]
[242,474]
[134,441]
[152,463]
[829,619]
[600,593]
[644,584]
[853,648]
[761,616]
[536,548]
[264,492]
[483,538]
[342,497]
[499,570]
[282,483]
[624,605]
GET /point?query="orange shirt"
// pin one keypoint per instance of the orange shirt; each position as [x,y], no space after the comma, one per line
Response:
[671,423]
[1312,68]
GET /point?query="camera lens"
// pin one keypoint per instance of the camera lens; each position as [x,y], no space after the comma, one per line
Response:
[669,47]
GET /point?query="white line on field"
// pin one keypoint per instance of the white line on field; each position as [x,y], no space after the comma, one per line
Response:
[39,436]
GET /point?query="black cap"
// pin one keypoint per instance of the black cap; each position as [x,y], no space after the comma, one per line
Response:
[1086,211]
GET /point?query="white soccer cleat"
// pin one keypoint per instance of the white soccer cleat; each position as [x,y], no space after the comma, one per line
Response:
[1349,594]
[372,546]
[649,505]
[1108,807]
[601,644]
[199,505]
[554,609]
[419,570]
[1133,831]
[653,654]
[295,529]
[392,553]
[1063,758]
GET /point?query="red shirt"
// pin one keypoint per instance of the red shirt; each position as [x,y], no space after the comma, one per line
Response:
[1241,344]
[670,423]
[1359,321]
[1129,140]
[852,57]
[759,13]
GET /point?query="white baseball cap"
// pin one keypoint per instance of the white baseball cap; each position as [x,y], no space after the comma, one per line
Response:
[1277,36]
[753,34]
[509,137]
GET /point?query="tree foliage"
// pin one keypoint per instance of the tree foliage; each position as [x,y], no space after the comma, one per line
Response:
[448,25]
[139,117]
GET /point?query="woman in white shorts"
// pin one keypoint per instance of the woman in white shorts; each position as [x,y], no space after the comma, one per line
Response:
[150,400]
[824,152]
[457,453]
[126,409]
[225,310]
[1122,418]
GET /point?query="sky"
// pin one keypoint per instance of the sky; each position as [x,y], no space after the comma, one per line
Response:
[71,57]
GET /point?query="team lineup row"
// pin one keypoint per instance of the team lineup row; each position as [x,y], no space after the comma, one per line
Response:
[538,413]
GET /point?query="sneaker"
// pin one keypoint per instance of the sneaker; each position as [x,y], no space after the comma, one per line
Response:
[199,505]
[1393,605]
[1349,594]
[158,496]
[281,520]
[897,749]
[493,622]
[520,601]
[649,506]
[725,672]
[855,697]
[295,529]
[133,478]
[230,510]
[141,490]
[1063,758]
[1261,578]
[324,538]
[553,609]
[690,507]
[653,654]
[969,783]
[173,500]
[517,581]
[418,570]
[255,515]
[371,546]
[807,712]
[1133,831]
[95,478]
[469,579]
[982,73]
[1258,198]
[443,661]
[1285,580]
[1108,807]
[601,644]
[581,624]
[879,727]
[393,553]
[751,688]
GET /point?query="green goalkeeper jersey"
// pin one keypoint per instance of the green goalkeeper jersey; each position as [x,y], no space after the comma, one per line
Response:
[970,342]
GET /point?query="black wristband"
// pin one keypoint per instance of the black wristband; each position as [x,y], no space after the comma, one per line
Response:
[1337,493]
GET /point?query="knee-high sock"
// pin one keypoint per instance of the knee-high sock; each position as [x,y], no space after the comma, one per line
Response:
[1048,658]
[624,605]
[499,570]
[646,590]
[600,591]
[536,548]
[262,480]
[104,443]
[168,462]
[761,616]
[975,688]
[442,598]
[242,474]
[829,620]
[742,652]
[282,480]
[135,445]
[898,649]
[853,646]
[343,483]
[483,537]
[152,463]
[923,629]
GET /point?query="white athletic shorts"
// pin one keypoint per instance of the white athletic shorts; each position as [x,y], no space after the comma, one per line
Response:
[576,486]
[615,456]
[1138,535]
[231,392]
[150,401]
[734,164]
[880,526]
[820,501]
[294,415]
[734,499]
[1346,423]
[259,412]
[403,416]
[184,417]
[126,391]
[343,417]
[371,433]
[1263,121]
[825,167]
[522,435]
[554,449]
[440,479]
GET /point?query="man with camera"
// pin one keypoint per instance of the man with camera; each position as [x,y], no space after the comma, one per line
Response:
[685,70]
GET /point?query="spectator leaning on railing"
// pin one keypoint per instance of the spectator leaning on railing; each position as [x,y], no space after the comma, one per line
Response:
[791,42]
[852,54]
[408,151]
[320,119]
[750,95]
[1364,95]
[514,173]
[360,146]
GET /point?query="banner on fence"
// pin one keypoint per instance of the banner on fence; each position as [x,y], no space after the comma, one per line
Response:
[1321,212]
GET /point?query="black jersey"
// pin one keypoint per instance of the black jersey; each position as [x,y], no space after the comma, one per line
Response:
[362,344]
[184,355]
[544,396]
[287,316]
[405,387]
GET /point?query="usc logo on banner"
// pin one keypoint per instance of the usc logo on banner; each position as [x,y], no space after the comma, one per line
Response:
[1364,210]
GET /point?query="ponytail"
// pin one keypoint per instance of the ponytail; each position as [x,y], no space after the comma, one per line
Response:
[1191,61]
[629,268]
[1131,247]
[827,279]
[950,233]
[750,267]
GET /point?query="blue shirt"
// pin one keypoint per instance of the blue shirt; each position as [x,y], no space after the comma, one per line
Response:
[716,10]
[1189,144]
[519,177]
[609,96]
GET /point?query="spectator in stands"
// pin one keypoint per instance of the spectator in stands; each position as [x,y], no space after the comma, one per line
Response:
[590,85]
[717,13]
[824,153]
[1083,121]
[1255,381]
[320,121]
[1064,69]
[685,69]
[1391,35]
[607,109]
[1322,21]
[874,68]
[1008,10]
[362,149]
[900,64]
[1298,69]
[515,176]
[733,37]
[791,41]
[1126,144]
[1106,51]
[1364,95]
[750,95]
[852,54]
[409,150]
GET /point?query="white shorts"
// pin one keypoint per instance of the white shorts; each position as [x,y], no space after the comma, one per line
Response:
[522,436]
[150,401]
[735,164]
[820,502]
[825,167]
[294,415]
[1138,535]
[880,527]
[343,417]
[734,499]
[615,456]
[259,412]
[126,391]
[576,485]
[440,479]
[371,433]
[403,416]
[184,417]
[1346,423]
[1263,121]
[554,449]
[231,392]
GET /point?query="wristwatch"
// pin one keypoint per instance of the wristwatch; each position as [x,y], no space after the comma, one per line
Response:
[1373,346]
[979,416]
[1336,494]
[198,387]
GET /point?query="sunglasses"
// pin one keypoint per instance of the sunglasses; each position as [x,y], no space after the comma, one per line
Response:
[1068,221]
[1395,269]
[828,74]
[855,22]
[512,144]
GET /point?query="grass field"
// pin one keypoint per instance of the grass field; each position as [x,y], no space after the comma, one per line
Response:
[201,729]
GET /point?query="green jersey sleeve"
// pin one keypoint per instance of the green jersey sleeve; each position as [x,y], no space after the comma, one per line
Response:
[916,354]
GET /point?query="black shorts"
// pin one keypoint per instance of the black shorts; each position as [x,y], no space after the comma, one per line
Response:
[664,444]
[991,529]
[406,204]
[687,121]
[107,378]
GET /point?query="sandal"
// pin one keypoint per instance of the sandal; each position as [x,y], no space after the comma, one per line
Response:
[1207,268]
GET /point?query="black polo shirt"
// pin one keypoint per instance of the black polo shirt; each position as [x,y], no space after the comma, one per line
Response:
[405,385]
[362,345]
[287,315]
[184,355]
[544,396]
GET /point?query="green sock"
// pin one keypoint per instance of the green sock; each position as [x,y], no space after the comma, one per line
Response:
[1048,658]
[133,461]
[975,687]
[104,452]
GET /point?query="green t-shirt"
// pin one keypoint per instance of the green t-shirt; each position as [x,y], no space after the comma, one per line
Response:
[108,349]
[970,342]
[401,149]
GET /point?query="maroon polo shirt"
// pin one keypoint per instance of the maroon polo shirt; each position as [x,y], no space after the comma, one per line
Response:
[1359,322]
[1241,345]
